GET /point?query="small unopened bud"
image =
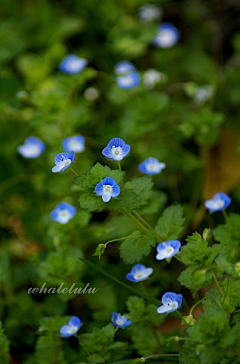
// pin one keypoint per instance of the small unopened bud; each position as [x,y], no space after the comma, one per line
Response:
[207,235]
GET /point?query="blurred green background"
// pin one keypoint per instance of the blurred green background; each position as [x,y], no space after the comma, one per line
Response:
[198,141]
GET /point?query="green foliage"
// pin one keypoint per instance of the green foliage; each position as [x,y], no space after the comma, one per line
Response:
[88,199]
[170,224]
[4,347]
[136,246]
[49,344]
[100,345]
[196,252]
[169,120]
[141,188]
[229,236]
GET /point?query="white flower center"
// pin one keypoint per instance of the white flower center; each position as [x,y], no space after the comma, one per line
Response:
[64,216]
[166,38]
[218,203]
[127,80]
[173,304]
[107,189]
[169,250]
[117,151]
[73,65]
[139,275]
[72,329]
[119,320]
[65,161]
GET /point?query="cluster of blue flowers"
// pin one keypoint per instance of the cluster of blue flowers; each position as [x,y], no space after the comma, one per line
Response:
[127,76]
[75,323]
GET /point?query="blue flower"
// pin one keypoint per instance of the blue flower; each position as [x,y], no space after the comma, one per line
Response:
[71,328]
[107,188]
[63,161]
[120,321]
[139,273]
[33,147]
[123,67]
[151,166]
[63,212]
[170,302]
[129,80]
[167,36]
[116,149]
[219,202]
[168,249]
[74,143]
[72,64]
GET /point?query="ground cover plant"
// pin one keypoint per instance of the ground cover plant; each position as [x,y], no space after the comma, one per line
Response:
[119,182]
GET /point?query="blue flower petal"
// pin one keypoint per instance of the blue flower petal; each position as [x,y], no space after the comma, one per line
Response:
[75,321]
[116,191]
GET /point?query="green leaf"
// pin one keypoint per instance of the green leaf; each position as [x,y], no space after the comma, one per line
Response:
[196,252]
[141,187]
[100,345]
[140,311]
[229,236]
[136,246]
[229,233]
[170,224]
[195,278]
[232,295]
[91,202]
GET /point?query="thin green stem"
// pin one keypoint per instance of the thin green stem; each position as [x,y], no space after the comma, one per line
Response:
[142,220]
[226,291]
[181,317]
[135,220]
[74,172]
[124,238]
[217,286]
[119,165]
[151,299]
[157,356]
[225,215]
[196,304]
